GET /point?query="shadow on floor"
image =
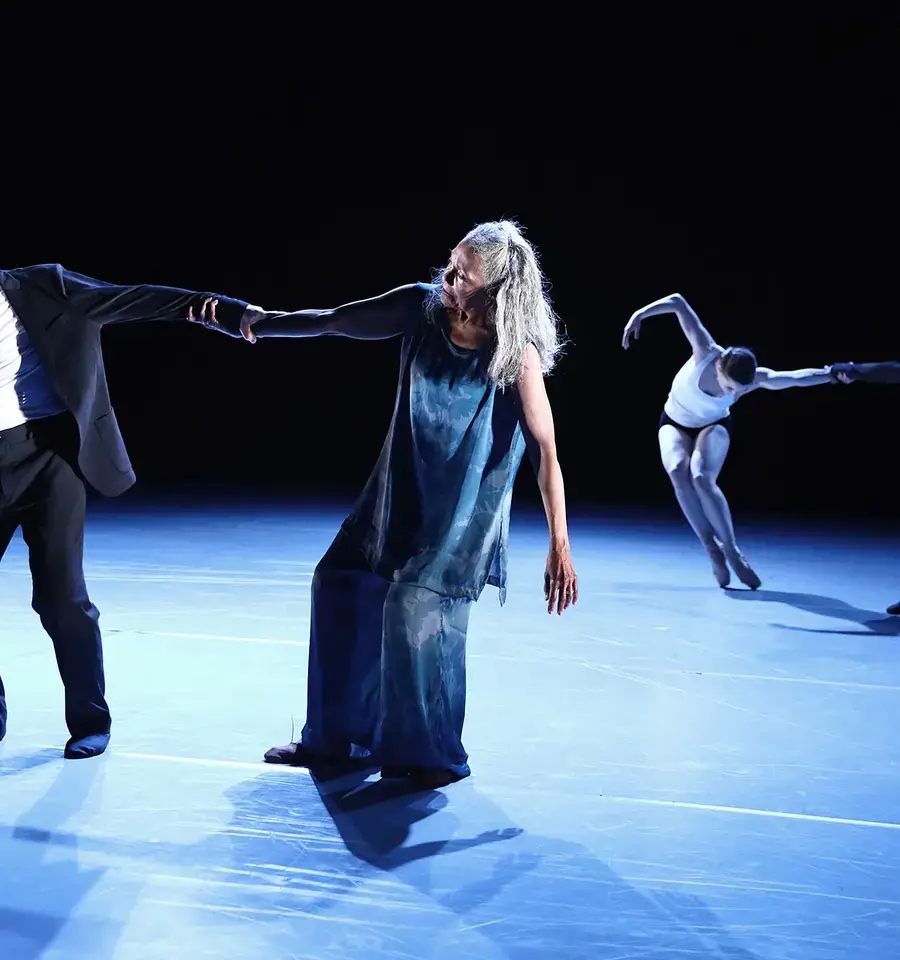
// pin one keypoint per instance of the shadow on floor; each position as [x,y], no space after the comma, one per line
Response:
[871,620]
[47,889]
[21,763]
[410,871]
[534,898]
[375,819]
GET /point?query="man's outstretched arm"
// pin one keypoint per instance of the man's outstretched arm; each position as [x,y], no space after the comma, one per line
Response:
[888,371]
[103,303]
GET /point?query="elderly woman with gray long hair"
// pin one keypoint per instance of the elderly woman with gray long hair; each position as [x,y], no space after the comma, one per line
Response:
[392,595]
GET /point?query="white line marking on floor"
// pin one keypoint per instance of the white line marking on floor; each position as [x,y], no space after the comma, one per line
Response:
[287,643]
[617,643]
[260,766]
[217,636]
[185,579]
[754,812]
[755,888]
[852,684]
[637,801]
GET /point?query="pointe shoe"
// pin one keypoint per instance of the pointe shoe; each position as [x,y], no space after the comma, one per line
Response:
[719,565]
[894,608]
[746,574]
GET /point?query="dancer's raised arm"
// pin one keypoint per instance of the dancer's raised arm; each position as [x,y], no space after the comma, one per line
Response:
[698,336]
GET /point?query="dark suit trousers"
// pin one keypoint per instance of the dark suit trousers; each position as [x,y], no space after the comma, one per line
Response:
[41,491]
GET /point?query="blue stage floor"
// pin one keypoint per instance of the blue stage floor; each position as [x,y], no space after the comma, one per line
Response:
[668,771]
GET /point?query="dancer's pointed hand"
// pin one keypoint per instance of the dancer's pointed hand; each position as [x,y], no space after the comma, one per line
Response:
[632,329]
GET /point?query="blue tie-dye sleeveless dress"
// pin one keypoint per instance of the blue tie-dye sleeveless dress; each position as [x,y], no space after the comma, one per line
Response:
[435,511]
[391,597]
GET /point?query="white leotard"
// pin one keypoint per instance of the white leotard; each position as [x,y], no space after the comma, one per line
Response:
[690,406]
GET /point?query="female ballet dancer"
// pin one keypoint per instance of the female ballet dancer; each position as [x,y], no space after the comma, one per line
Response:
[695,427]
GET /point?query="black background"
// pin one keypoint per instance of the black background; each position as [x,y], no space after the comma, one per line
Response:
[750,166]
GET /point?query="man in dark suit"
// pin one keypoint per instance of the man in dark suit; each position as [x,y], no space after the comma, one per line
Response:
[888,371]
[58,431]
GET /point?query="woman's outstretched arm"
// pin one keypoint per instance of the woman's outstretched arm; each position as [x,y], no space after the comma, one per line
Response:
[887,371]
[377,318]
[767,379]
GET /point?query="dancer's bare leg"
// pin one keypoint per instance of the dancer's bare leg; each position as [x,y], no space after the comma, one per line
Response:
[675,450]
[707,458]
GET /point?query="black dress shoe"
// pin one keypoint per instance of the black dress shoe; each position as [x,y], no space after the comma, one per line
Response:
[92,745]
[424,778]
[894,608]
[293,754]
[297,755]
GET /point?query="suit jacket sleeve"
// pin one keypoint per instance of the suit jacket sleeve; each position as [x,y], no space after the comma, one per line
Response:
[887,371]
[104,303]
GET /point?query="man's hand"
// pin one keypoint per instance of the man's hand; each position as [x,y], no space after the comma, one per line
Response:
[560,580]
[207,317]
[842,372]
[207,314]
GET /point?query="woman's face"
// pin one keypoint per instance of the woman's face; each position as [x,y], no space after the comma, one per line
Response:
[463,283]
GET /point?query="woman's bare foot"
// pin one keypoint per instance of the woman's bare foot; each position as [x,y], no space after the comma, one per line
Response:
[746,573]
[719,564]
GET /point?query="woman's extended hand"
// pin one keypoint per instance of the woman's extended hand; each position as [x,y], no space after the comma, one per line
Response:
[560,580]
